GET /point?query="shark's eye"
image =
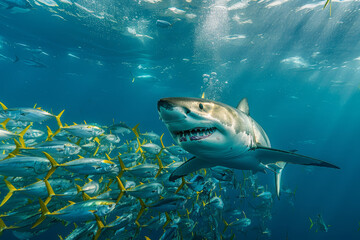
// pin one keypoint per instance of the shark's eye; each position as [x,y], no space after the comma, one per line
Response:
[201,106]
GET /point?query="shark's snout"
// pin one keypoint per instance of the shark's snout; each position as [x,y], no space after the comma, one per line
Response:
[162,103]
[170,111]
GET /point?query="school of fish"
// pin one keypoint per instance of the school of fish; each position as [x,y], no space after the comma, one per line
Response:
[112,182]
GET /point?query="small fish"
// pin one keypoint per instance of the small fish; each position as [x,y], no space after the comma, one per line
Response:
[78,212]
[84,130]
[87,166]
[54,148]
[28,114]
[23,4]
[176,150]
[163,23]
[120,128]
[215,202]
[147,190]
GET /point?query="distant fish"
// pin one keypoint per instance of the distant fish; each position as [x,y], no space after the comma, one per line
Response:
[146,77]
[319,224]
[66,1]
[24,4]
[58,16]
[49,3]
[6,58]
[72,55]
[176,11]
[30,62]
[163,23]
[83,8]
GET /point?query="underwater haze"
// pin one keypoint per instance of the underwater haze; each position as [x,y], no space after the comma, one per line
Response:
[108,61]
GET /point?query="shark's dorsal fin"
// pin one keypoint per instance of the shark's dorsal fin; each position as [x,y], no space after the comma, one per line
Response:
[244,106]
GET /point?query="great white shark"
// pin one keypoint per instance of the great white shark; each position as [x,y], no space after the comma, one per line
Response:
[220,135]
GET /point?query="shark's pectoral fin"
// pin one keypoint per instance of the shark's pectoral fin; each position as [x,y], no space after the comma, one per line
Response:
[273,156]
[191,165]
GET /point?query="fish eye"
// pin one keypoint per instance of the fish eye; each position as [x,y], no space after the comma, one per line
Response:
[201,106]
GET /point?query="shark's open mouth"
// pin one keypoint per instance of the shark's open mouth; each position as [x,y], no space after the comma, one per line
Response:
[194,134]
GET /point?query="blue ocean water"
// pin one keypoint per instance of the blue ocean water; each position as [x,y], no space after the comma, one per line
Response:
[297,65]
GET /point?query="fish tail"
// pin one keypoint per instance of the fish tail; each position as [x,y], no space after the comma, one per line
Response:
[311,223]
[181,185]
[59,124]
[3,124]
[56,132]
[58,119]
[108,157]
[122,189]
[3,106]
[122,166]
[161,141]
[100,227]
[79,141]
[44,211]
[21,135]
[96,139]
[51,192]
[226,225]
[136,130]
[78,188]
[168,220]
[198,194]
[4,227]
[54,165]
[17,148]
[11,188]
[49,133]
[86,197]
[143,207]
[161,166]
[137,135]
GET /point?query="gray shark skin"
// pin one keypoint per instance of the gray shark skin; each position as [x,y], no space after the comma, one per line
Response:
[220,135]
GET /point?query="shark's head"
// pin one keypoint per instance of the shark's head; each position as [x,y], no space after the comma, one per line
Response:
[205,128]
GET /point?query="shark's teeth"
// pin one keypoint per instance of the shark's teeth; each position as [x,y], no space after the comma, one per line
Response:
[194,134]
